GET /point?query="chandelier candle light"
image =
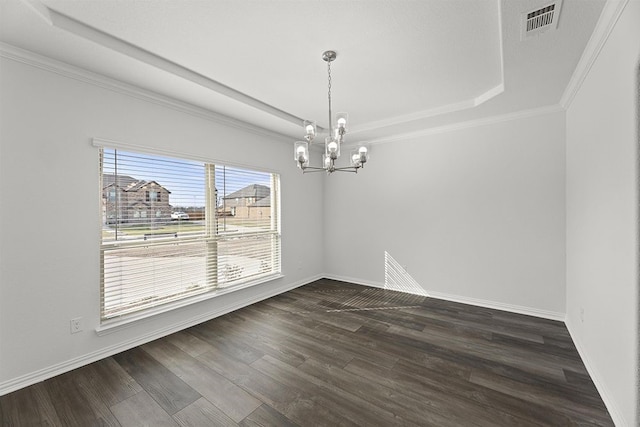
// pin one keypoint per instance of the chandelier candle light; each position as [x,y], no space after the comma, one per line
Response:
[332,143]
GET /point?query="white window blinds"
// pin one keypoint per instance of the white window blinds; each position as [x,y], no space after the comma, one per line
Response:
[174,228]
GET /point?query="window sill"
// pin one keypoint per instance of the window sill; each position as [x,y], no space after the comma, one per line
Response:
[127,321]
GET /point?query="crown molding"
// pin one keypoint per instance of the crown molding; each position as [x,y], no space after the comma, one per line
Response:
[466,104]
[85,31]
[607,21]
[608,18]
[523,114]
[76,73]
[438,111]
[419,115]
[60,20]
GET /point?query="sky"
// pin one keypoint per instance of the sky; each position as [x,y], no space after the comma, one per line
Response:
[185,179]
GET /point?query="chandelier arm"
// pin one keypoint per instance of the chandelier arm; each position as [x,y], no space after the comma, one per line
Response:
[346,169]
[310,169]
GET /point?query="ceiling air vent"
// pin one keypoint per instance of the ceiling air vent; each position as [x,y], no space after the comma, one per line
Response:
[540,20]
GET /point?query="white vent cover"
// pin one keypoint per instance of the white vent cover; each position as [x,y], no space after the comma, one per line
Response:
[540,20]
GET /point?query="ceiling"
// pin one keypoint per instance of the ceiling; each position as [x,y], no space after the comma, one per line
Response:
[402,66]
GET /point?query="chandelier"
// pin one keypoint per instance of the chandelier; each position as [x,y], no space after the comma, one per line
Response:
[332,143]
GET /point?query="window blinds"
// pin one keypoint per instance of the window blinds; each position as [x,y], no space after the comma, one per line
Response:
[174,228]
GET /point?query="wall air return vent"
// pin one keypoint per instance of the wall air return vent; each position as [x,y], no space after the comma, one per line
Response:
[540,20]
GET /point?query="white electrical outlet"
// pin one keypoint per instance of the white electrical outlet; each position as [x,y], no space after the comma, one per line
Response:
[76,325]
[581,314]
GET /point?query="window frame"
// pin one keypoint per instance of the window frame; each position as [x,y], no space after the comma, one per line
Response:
[115,322]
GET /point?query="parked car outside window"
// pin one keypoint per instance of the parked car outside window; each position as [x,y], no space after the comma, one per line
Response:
[179,215]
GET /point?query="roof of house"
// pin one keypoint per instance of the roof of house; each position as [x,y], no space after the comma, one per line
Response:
[123,180]
[140,184]
[254,190]
[126,182]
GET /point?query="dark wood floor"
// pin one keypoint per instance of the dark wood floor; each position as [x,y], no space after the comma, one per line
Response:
[331,354]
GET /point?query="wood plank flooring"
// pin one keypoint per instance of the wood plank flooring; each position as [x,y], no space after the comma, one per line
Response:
[331,354]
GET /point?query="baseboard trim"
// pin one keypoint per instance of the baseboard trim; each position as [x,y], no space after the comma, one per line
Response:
[354,280]
[605,394]
[77,362]
[512,308]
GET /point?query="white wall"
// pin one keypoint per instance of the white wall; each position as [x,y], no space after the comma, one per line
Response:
[49,224]
[475,214]
[602,218]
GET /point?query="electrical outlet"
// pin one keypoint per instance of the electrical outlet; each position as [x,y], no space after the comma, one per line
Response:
[76,325]
[582,314]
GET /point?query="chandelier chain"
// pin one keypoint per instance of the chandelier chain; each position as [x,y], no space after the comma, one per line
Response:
[329,93]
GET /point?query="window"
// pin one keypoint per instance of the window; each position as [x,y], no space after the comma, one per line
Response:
[228,234]
[153,196]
